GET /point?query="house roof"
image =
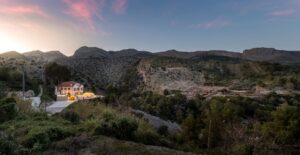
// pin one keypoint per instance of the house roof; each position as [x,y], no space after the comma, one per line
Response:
[68,84]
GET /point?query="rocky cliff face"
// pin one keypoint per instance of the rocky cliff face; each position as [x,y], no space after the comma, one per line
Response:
[159,79]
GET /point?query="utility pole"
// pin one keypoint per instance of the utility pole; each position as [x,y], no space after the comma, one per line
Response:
[23,81]
[208,137]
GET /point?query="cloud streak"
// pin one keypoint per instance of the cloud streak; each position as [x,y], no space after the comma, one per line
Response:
[85,10]
[283,13]
[119,6]
[217,23]
[23,10]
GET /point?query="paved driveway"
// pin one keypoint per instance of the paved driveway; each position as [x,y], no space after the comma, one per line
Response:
[157,122]
[58,106]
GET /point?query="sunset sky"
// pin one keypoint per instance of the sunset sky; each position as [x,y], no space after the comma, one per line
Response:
[153,25]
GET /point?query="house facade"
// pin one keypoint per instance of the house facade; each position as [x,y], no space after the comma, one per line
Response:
[69,89]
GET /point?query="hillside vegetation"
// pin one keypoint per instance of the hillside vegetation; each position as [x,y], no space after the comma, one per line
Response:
[83,127]
[214,98]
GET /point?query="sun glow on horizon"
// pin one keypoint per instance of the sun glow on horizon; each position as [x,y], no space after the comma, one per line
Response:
[11,44]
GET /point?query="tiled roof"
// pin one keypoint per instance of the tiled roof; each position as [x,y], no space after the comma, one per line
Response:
[68,84]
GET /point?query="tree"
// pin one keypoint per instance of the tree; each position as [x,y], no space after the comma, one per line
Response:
[8,109]
[285,126]
[56,74]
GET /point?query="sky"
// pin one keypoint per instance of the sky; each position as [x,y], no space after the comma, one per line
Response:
[152,25]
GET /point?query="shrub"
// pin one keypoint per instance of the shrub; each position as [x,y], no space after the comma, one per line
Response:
[126,128]
[163,130]
[148,137]
[7,144]
[121,128]
[8,109]
[166,92]
[40,138]
[243,149]
[146,134]
[71,116]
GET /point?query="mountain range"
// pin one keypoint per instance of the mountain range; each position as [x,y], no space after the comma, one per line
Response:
[255,54]
[168,70]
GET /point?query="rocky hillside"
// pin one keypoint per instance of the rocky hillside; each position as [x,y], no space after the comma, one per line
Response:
[188,72]
[189,55]
[98,68]
[255,54]
[50,56]
[213,74]
[33,61]
[272,55]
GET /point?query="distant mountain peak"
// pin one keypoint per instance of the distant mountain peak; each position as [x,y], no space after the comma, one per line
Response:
[11,54]
[88,52]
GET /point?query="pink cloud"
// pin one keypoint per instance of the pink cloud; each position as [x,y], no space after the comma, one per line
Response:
[217,23]
[283,13]
[119,6]
[23,9]
[85,10]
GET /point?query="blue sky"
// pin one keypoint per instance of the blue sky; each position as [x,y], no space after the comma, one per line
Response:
[153,25]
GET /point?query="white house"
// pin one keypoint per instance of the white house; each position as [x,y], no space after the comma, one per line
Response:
[69,88]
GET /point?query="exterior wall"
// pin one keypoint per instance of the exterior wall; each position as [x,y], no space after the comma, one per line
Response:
[77,89]
[61,98]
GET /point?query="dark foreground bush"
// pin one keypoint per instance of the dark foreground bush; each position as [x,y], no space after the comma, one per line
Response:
[148,138]
[7,144]
[121,128]
[71,116]
[40,138]
[8,109]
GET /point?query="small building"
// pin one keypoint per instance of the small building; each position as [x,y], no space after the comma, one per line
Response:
[67,90]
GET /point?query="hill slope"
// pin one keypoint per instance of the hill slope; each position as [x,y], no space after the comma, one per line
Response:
[189,72]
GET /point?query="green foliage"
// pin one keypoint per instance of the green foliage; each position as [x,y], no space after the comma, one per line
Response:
[285,126]
[56,74]
[130,79]
[39,139]
[8,146]
[167,107]
[146,134]
[8,109]
[121,128]
[243,149]
[71,116]
[163,130]
[11,79]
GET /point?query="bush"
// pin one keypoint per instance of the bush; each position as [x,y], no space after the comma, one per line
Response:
[243,149]
[121,128]
[8,109]
[40,138]
[148,138]
[71,116]
[163,130]
[7,144]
